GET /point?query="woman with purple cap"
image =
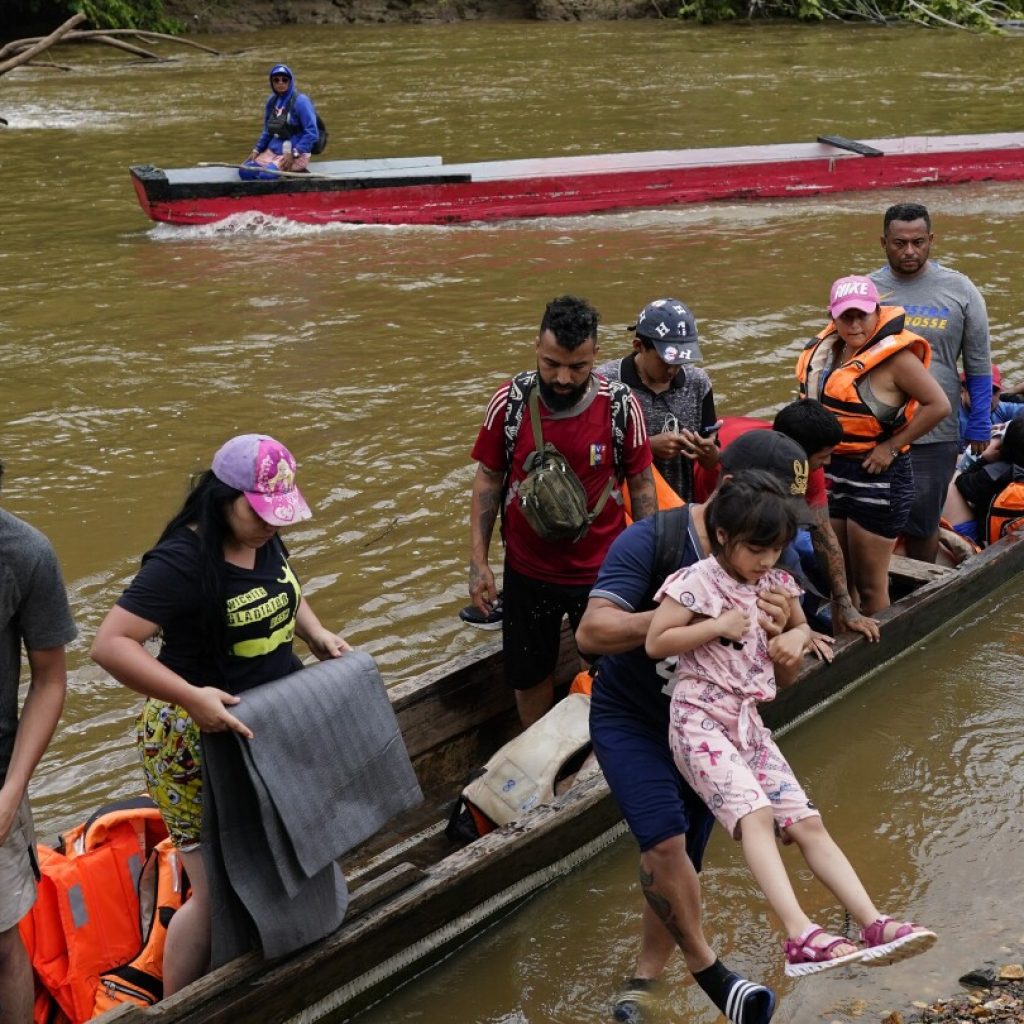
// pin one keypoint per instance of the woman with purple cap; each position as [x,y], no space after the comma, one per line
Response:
[873,374]
[218,589]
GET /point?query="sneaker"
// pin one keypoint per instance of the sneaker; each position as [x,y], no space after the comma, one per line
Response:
[472,616]
[635,997]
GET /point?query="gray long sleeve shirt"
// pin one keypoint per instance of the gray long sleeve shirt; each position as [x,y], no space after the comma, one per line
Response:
[946,309]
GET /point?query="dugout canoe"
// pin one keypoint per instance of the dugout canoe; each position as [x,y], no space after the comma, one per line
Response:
[425,190]
[415,895]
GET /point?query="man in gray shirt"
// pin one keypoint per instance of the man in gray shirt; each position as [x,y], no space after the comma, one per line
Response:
[945,308]
[34,612]
[675,395]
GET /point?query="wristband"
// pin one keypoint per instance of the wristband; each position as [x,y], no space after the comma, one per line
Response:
[894,452]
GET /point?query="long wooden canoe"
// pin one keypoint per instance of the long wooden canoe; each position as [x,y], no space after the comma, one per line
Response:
[415,894]
[425,190]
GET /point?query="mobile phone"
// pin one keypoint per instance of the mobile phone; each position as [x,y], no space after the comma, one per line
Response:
[709,431]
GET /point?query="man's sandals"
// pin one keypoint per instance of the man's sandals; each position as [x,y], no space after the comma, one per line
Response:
[812,952]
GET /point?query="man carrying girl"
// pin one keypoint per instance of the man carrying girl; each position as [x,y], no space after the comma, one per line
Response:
[709,617]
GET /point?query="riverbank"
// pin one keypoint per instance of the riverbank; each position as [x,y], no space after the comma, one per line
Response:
[217,16]
[994,995]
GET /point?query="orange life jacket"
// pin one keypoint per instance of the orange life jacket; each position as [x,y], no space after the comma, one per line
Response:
[86,916]
[666,497]
[840,391]
[1006,513]
[161,892]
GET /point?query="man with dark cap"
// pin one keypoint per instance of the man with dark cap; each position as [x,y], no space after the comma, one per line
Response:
[629,717]
[675,395]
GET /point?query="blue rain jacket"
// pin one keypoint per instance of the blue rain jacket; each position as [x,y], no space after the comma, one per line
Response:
[301,118]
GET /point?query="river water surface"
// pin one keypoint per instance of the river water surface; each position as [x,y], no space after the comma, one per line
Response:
[129,352]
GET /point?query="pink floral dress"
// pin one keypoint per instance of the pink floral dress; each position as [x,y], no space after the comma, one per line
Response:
[720,745]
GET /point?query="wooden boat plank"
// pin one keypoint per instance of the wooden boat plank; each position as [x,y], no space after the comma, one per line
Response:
[911,569]
[353,168]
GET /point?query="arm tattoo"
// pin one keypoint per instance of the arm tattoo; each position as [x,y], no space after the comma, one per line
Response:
[830,557]
[642,494]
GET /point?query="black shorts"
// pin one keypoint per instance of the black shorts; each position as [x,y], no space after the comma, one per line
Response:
[934,465]
[877,502]
[531,627]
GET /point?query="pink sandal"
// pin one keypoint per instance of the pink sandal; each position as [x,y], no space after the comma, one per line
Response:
[803,957]
[909,940]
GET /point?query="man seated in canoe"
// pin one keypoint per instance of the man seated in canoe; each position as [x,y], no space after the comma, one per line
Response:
[289,130]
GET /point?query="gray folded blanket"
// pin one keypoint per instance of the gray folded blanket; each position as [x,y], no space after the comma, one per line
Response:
[326,768]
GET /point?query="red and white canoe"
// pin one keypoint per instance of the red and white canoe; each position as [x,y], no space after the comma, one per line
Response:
[425,190]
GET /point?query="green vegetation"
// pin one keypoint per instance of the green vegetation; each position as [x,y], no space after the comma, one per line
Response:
[147,14]
[141,14]
[984,15]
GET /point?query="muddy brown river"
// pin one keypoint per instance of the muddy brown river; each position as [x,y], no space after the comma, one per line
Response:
[130,351]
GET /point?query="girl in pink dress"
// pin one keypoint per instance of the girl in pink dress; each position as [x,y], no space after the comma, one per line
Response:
[708,617]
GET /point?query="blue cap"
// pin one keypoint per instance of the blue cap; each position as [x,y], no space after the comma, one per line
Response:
[281,69]
[670,326]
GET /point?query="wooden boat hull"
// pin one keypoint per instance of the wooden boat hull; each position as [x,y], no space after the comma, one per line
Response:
[413,897]
[365,192]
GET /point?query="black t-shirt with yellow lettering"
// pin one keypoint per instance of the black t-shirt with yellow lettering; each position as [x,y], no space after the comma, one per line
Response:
[262,603]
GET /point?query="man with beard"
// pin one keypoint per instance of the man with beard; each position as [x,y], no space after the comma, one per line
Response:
[547,580]
[946,309]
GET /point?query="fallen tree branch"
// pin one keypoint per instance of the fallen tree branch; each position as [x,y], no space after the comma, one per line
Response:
[84,35]
[926,13]
[120,44]
[26,55]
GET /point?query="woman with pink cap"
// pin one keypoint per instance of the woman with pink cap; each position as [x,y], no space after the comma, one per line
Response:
[873,374]
[218,589]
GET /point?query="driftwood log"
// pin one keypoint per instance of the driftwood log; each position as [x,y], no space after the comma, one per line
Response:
[21,51]
[34,49]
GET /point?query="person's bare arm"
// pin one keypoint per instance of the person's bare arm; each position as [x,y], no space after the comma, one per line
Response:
[675,630]
[788,648]
[39,716]
[484,506]
[643,495]
[911,377]
[118,648]
[608,629]
[318,638]
[829,554]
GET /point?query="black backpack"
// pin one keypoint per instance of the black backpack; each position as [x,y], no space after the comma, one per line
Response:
[321,141]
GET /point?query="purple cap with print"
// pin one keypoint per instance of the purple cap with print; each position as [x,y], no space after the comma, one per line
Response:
[264,471]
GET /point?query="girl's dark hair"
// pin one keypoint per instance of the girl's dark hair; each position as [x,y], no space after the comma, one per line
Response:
[1012,447]
[205,508]
[751,506]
